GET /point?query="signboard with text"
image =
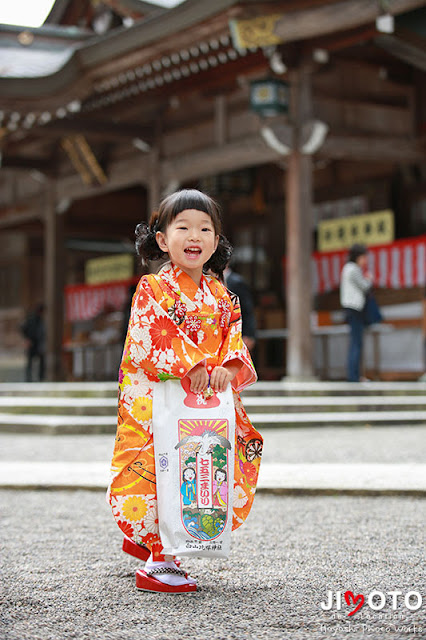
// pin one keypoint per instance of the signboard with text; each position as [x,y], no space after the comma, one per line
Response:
[109,269]
[369,229]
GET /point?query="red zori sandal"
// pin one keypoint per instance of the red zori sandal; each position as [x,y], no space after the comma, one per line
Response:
[145,581]
[136,550]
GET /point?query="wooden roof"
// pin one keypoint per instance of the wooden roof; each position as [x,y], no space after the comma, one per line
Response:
[189,22]
[83,11]
[134,82]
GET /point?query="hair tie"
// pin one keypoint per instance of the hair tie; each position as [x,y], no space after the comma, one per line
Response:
[154,227]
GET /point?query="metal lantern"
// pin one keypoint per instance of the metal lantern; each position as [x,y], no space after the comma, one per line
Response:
[269,97]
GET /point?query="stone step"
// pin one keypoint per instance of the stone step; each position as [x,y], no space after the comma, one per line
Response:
[57,424]
[62,424]
[85,406]
[60,389]
[334,389]
[52,405]
[338,419]
[274,404]
[262,388]
[293,478]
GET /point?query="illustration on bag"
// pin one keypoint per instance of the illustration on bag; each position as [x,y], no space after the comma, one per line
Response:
[204,466]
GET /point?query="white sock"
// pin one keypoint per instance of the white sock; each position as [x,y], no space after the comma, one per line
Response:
[171,579]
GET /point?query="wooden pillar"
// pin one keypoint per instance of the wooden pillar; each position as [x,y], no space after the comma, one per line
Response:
[54,270]
[220,121]
[154,184]
[299,236]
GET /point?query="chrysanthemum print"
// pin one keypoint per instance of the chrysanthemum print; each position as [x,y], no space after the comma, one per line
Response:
[173,326]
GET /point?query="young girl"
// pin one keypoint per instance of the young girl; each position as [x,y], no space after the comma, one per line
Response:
[186,324]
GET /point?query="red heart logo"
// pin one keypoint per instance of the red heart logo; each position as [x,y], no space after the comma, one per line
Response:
[350,596]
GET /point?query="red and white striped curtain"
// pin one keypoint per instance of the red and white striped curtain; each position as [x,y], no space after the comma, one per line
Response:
[84,302]
[397,265]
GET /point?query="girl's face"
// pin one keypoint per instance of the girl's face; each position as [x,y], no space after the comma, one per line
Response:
[220,476]
[190,240]
[189,475]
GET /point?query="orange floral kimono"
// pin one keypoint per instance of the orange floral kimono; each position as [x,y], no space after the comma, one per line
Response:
[173,326]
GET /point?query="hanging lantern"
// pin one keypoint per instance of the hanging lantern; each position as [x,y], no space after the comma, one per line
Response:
[269,97]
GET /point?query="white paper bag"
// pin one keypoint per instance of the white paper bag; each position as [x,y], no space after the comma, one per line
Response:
[194,442]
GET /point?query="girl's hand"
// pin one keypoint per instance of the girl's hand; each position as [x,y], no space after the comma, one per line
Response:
[222,376]
[199,378]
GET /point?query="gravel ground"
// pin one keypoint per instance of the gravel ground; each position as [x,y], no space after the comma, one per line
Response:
[354,444]
[64,576]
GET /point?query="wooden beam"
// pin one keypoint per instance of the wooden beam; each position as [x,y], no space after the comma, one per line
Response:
[360,147]
[278,26]
[19,216]
[337,16]
[25,163]
[133,170]
[406,46]
[105,130]
[336,41]
[247,152]
[372,148]
[363,117]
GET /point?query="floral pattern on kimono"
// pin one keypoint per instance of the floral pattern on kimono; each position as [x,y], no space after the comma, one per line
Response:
[175,325]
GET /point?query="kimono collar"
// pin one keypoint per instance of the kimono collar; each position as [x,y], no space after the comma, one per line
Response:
[180,281]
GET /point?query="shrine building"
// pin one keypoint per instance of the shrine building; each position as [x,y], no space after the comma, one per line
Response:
[305,119]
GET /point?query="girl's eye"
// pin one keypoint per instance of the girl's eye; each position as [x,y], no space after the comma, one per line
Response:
[206,229]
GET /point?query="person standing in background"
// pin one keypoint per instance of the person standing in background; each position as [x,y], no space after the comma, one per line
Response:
[236,283]
[355,283]
[33,329]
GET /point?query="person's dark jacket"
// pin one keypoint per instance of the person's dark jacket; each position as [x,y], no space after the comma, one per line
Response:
[34,330]
[238,285]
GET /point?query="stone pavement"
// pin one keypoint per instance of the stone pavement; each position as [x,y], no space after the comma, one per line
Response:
[387,460]
[64,576]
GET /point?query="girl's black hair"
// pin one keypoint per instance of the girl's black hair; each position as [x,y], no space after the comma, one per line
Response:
[146,243]
[217,471]
[356,251]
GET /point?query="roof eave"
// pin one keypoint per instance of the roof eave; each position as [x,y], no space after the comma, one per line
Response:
[144,33]
[101,49]
[44,86]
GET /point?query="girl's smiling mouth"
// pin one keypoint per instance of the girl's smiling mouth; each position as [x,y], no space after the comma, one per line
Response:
[193,251]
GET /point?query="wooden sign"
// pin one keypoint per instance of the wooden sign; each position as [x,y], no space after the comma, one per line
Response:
[369,229]
[109,269]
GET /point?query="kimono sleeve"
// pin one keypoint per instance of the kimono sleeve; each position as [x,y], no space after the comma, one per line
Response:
[154,343]
[233,347]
